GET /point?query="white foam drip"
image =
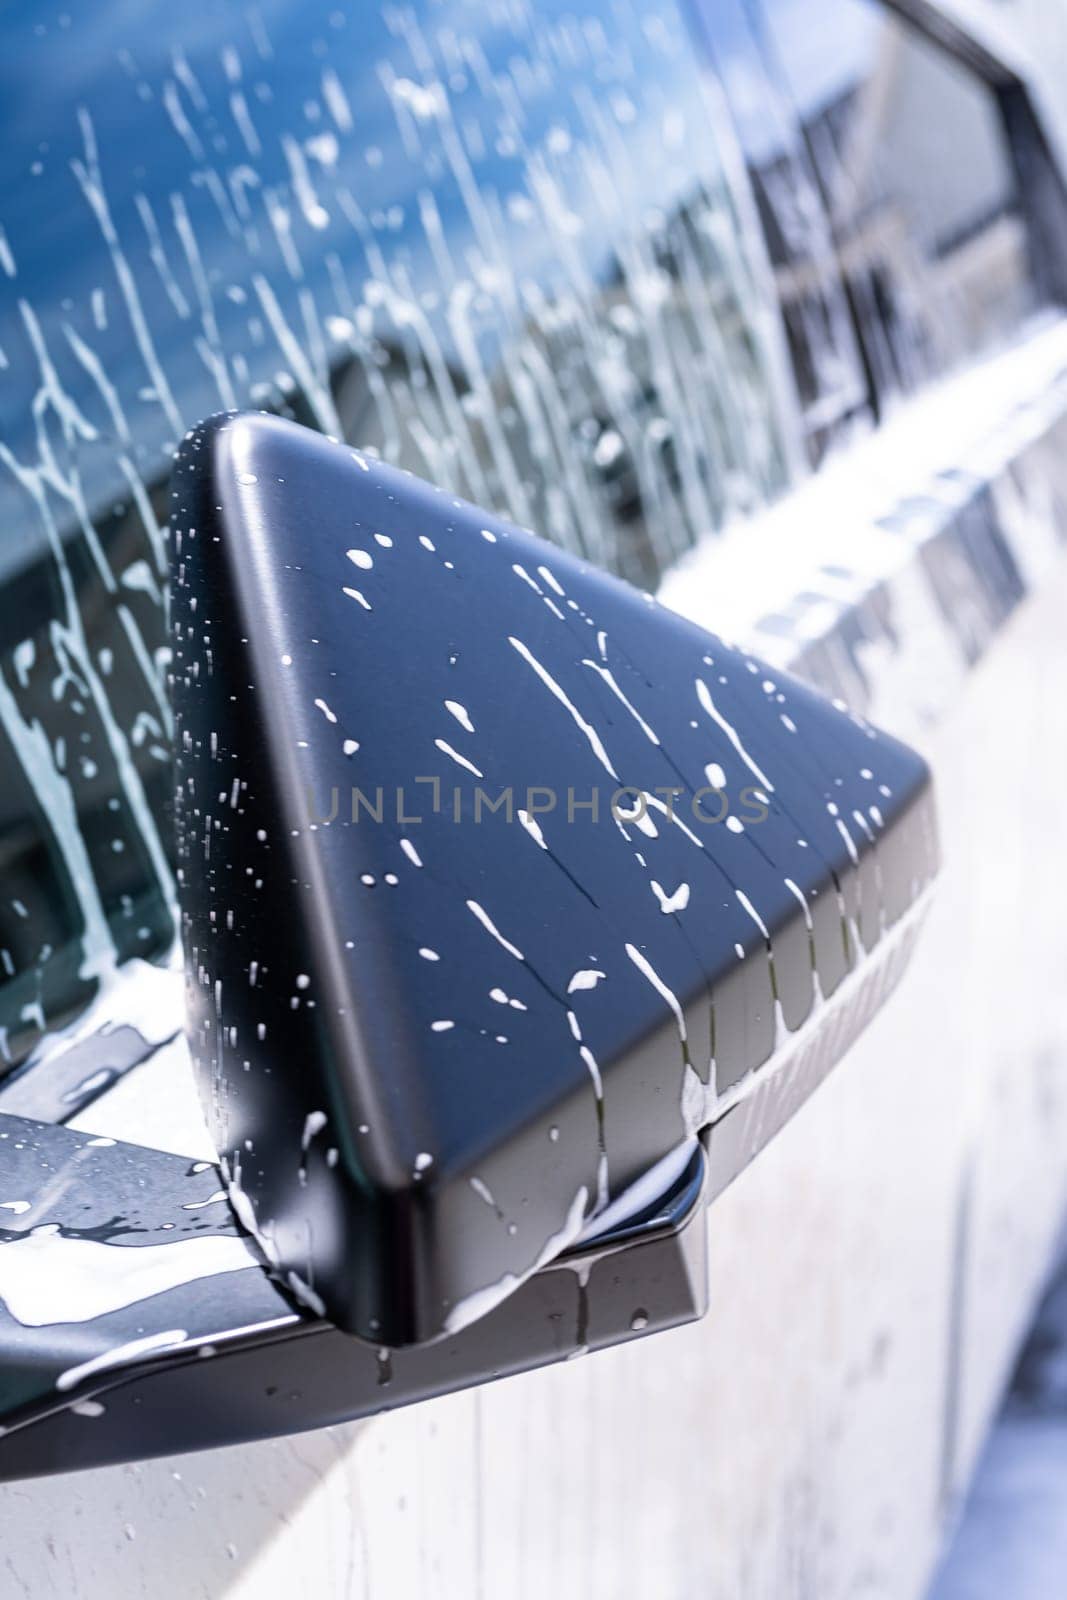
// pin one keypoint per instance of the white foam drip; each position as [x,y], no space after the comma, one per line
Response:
[585,978]
[48,1277]
[645,967]
[481,1301]
[708,704]
[595,742]
[123,1355]
[491,928]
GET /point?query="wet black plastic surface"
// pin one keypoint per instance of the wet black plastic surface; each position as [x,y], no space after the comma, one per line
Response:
[395,1019]
[226,1358]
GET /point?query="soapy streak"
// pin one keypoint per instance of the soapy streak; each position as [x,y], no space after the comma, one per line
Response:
[703,1105]
[479,1303]
[48,1278]
[708,704]
[553,687]
[122,1355]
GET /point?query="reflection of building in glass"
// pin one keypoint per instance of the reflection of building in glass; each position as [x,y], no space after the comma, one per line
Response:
[924,205]
[609,418]
[907,164]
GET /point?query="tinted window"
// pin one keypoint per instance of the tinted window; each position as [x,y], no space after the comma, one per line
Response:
[586,263]
[512,249]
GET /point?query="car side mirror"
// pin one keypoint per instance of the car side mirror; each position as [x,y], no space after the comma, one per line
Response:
[518,915]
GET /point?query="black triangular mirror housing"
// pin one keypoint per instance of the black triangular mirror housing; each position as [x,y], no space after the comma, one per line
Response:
[637,999]
[501,885]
